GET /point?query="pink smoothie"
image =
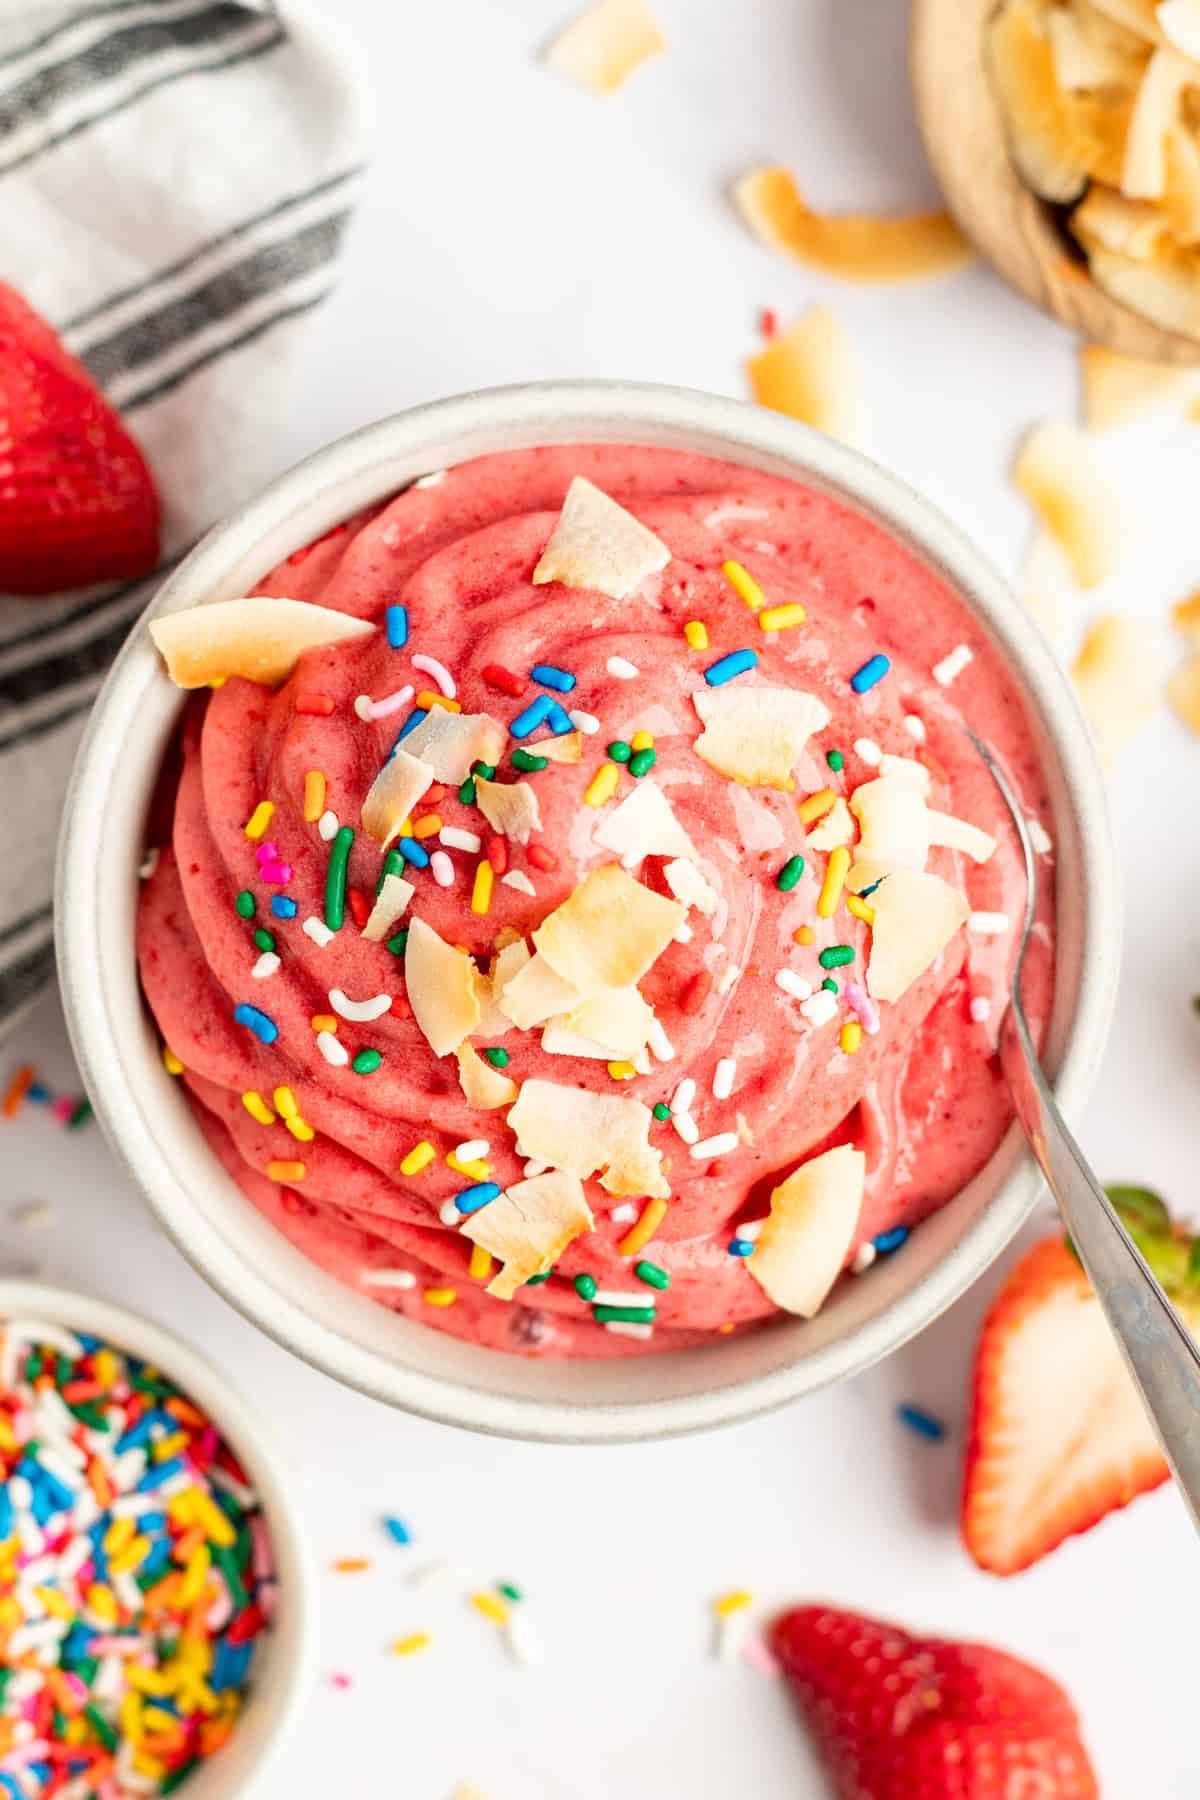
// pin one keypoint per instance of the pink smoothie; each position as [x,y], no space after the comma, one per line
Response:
[922,1097]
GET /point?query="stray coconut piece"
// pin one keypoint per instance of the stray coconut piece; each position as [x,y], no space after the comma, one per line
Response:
[450,742]
[573,1129]
[511,808]
[1185,616]
[1144,169]
[1087,55]
[603,46]
[607,933]
[803,1245]
[756,735]
[1183,691]
[1118,389]
[898,829]
[528,1227]
[393,794]
[644,825]
[565,749]
[1052,137]
[443,988]
[1166,291]
[811,373]
[690,887]
[259,638]
[1181,202]
[1179,22]
[836,828]
[483,1086]
[1058,472]
[597,544]
[618,1022]
[534,994]
[1133,227]
[916,915]
[854,246]
[1116,676]
[390,905]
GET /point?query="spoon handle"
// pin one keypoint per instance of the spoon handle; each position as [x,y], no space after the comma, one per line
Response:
[1154,1342]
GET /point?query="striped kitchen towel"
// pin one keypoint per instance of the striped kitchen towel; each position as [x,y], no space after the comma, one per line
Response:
[176,177]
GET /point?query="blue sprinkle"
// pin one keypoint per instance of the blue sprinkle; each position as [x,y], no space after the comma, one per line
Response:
[473,1198]
[891,1240]
[6,1514]
[39,1093]
[551,677]
[535,714]
[741,1246]
[864,893]
[157,1473]
[871,673]
[726,667]
[558,719]
[397,1529]
[923,1423]
[410,724]
[89,1342]
[264,1029]
[282,907]
[413,852]
[397,626]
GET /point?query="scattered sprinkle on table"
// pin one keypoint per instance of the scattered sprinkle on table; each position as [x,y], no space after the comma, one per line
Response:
[924,1424]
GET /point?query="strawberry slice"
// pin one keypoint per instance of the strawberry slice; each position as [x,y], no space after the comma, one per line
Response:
[77,502]
[898,1717]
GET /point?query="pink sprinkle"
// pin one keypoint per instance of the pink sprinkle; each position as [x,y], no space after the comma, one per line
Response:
[62,1109]
[429,665]
[277,873]
[260,1544]
[862,1005]
[34,1751]
[442,869]
[759,1657]
[87,1574]
[380,709]
[266,1599]
[267,853]
[981,1008]
[341,1681]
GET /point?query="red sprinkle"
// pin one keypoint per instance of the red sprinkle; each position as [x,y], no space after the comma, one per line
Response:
[400,1007]
[540,858]
[433,794]
[696,992]
[359,907]
[317,706]
[247,1625]
[497,853]
[768,323]
[291,1203]
[497,676]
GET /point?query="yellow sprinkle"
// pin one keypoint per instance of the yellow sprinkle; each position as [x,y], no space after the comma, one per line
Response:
[622,1071]
[737,1601]
[286,1171]
[151,1766]
[861,909]
[642,740]
[285,1102]
[481,893]
[300,1129]
[218,681]
[851,1036]
[743,583]
[260,818]
[55,1603]
[170,1446]
[781,618]
[102,1601]
[194,1577]
[816,806]
[480,1265]
[406,826]
[653,1214]
[696,633]
[171,1062]
[429,826]
[324,1022]
[479,1170]
[440,1296]
[407,1646]
[314,796]
[491,1606]
[158,1719]
[105,1367]
[418,1158]
[428,698]
[257,1107]
[603,785]
[119,1533]
[131,1703]
[131,1557]
[216,1526]
[835,877]
[805,935]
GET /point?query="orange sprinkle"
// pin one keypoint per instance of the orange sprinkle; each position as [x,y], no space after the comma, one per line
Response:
[427,826]
[18,1087]
[427,698]
[324,1022]
[286,1171]
[653,1214]
[443,1296]
[816,806]
[351,1565]
[805,935]
[314,796]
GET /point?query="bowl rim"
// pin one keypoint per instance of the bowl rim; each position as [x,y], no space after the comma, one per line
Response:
[273,1708]
[327,487]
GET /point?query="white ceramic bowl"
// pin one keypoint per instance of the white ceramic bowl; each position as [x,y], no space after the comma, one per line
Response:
[281,1666]
[149,1122]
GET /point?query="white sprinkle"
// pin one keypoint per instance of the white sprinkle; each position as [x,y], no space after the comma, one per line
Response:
[1039,837]
[722,1081]
[721,1145]
[793,984]
[751,1231]
[686,1127]
[622,668]
[473,1148]
[449,1214]
[614,1297]
[682,1098]
[361,1012]
[442,869]
[661,1047]
[517,878]
[39,1634]
[434,479]
[915,727]
[729,975]
[585,722]
[629,1328]
[332,1050]
[389,1278]
[429,665]
[149,863]
[685,933]
[987,924]
[362,706]
[267,964]
[455,838]
[981,1008]
[624,1214]
[868,751]
[952,666]
[318,931]
[534,1166]
[864,1256]
[821,1008]
[327,825]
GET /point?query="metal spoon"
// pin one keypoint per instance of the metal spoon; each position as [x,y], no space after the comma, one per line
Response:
[1156,1345]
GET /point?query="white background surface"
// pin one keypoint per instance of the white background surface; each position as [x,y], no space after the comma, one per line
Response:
[515,228]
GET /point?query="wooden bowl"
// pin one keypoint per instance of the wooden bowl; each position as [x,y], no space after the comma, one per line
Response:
[1018,234]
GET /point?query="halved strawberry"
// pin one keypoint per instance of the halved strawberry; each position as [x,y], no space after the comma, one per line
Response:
[904,1718]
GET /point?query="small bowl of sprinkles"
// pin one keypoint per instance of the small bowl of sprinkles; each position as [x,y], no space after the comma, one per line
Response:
[152,1587]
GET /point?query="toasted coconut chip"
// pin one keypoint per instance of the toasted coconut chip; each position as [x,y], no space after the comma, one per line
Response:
[811,373]
[1138,17]
[617,1024]
[1185,617]
[443,988]
[1087,58]
[906,768]
[1134,227]
[1118,389]
[1179,22]
[534,994]
[898,830]
[608,932]
[450,742]
[558,1041]
[835,829]
[506,966]
[855,246]
[260,639]
[690,888]
[573,1129]
[390,904]
[528,1227]
[1183,691]
[511,808]
[602,47]
[916,915]
[1081,508]
[1166,291]
[565,749]
[803,1246]
[1181,202]
[393,794]
[1116,676]
[1052,135]
[644,825]
[756,735]
[483,1086]
[1144,170]
[598,545]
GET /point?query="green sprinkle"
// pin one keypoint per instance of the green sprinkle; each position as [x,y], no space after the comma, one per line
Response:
[263,940]
[335,878]
[830,985]
[662,1112]
[393,864]
[521,759]
[509,1589]
[790,874]
[642,761]
[175,1778]
[89,1414]
[80,1116]
[498,1057]
[652,1275]
[224,1559]
[624,1315]
[620,751]
[1193,1267]
[366,1062]
[244,904]
[100,1725]
[837,956]
[487,770]
[536,1280]
[399,944]
[466,792]
[585,1287]
[836,760]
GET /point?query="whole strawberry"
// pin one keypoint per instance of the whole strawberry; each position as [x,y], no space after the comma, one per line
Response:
[77,502]
[904,1718]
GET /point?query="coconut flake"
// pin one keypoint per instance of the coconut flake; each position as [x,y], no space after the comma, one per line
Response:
[535,994]
[603,46]
[483,1086]
[443,988]
[897,829]
[1144,168]
[451,742]
[617,1024]
[571,1128]
[528,1227]
[1058,471]
[393,794]
[756,735]
[596,544]
[803,1245]
[852,246]
[690,888]
[511,808]
[1117,678]
[565,749]
[259,638]
[1179,22]
[644,825]
[916,915]
[607,933]
[390,904]
[811,373]
[506,966]
[1118,389]
[835,830]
